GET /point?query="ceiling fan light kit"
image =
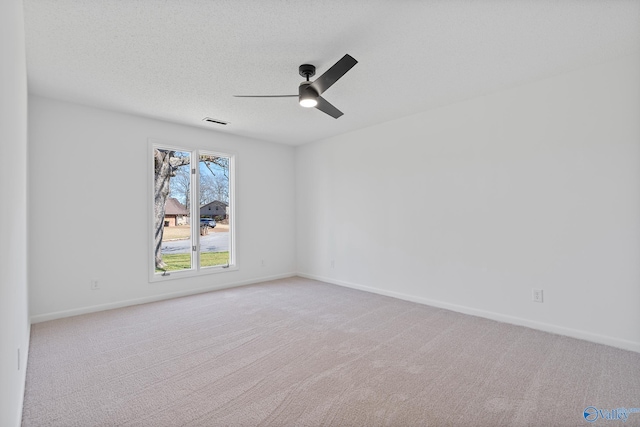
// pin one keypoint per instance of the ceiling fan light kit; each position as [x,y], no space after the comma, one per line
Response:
[308,97]
[309,92]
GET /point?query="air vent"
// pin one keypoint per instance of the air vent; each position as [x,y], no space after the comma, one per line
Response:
[218,122]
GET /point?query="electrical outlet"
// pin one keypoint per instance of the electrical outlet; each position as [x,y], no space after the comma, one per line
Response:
[95,285]
[333,264]
[262,263]
[537,295]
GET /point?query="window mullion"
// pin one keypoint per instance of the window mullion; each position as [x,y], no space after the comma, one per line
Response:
[195,210]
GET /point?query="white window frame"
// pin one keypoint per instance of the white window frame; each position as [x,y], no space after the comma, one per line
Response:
[195,270]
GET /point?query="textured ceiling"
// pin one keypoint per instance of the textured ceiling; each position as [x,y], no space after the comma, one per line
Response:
[182,61]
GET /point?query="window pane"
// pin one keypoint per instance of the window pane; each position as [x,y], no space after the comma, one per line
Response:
[215,242]
[172,231]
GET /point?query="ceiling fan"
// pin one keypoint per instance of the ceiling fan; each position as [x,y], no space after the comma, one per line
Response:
[309,92]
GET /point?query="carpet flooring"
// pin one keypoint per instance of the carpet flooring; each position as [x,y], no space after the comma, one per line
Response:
[297,352]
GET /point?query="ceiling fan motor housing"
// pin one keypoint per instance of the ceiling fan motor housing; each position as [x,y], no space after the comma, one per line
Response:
[307,96]
[304,89]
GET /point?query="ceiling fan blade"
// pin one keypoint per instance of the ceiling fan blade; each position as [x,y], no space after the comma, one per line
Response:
[326,107]
[332,75]
[265,96]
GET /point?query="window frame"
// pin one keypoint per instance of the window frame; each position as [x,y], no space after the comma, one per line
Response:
[194,208]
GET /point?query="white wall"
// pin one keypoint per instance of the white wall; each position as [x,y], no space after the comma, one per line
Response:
[472,205]
[14,324]
[89,208]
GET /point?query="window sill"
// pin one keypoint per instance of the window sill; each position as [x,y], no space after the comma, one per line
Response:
[181,274]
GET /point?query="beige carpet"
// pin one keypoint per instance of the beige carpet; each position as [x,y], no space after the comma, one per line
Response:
[297,352]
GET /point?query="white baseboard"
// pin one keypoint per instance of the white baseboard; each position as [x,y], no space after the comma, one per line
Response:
[136,301]
[560,330]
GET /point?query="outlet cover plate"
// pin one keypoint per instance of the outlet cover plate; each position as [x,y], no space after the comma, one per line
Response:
[537,295]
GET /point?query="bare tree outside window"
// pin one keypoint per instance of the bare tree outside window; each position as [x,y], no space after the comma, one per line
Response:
[166,164]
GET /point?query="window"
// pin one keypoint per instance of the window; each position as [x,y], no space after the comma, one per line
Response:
[186,237]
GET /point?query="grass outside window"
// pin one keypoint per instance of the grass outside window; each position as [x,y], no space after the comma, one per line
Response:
[183,261]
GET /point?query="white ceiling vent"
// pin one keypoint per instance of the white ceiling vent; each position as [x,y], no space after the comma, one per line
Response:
[218,122]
